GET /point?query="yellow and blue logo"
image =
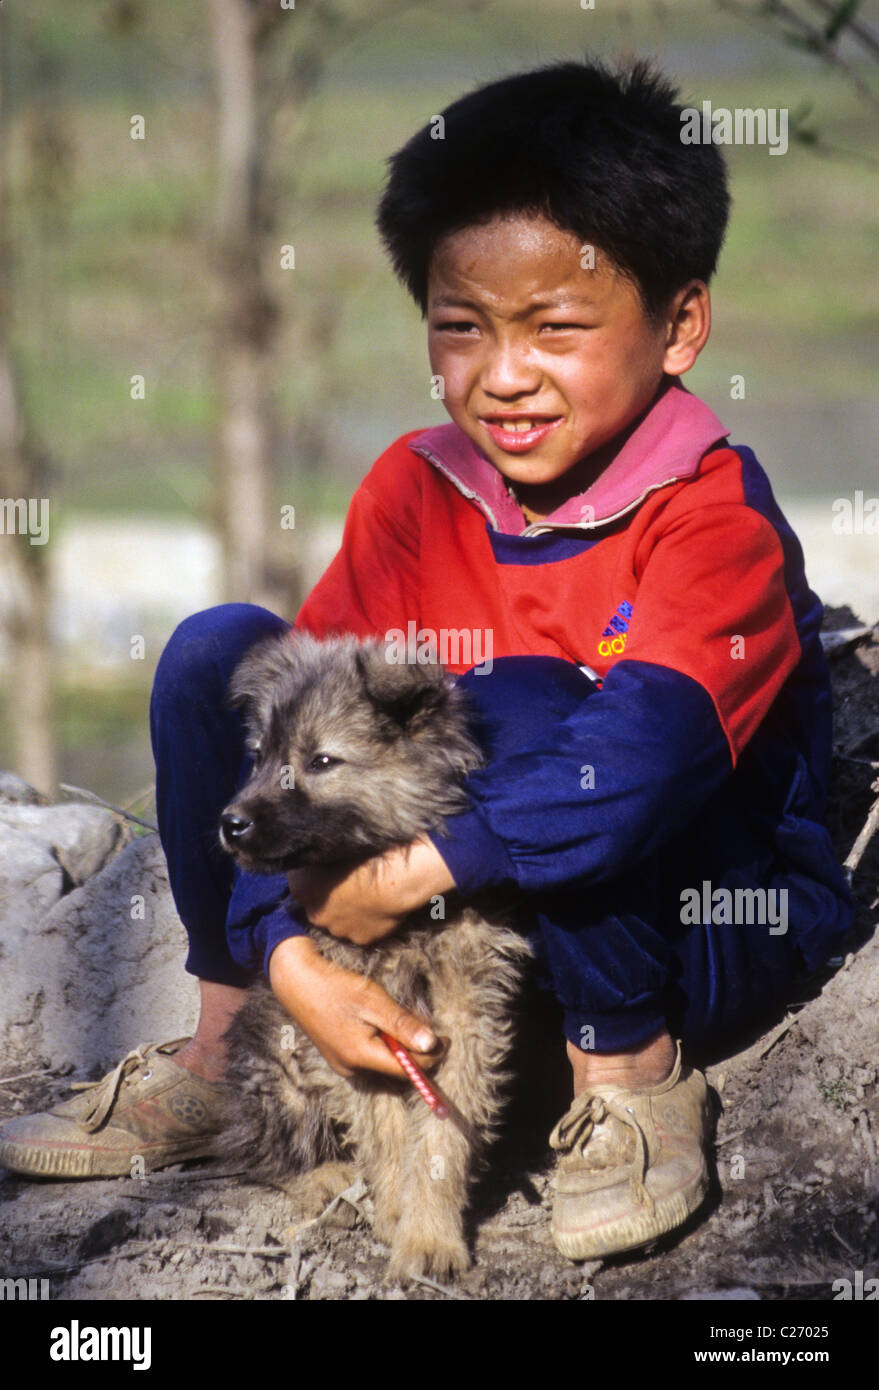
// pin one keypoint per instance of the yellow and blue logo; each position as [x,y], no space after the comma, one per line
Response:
[613,639]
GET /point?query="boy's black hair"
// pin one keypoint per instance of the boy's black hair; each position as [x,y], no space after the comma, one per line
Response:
[595,151]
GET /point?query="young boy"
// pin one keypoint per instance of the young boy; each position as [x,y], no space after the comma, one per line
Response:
[655,706]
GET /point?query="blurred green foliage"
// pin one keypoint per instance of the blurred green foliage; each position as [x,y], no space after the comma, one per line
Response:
[127,287]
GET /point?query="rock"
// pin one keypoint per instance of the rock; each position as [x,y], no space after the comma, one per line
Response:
[842,639]
[98,973]
[720,1295]
[31,882]
[44,850]
[14,788]
[81,838]
[841,1022]
[328,1283]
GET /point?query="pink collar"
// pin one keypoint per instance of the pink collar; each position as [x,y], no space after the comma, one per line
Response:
[667,446]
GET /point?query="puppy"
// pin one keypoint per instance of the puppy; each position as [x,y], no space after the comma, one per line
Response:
[354,754]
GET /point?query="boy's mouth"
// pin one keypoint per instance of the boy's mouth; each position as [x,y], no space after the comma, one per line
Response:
[520,432]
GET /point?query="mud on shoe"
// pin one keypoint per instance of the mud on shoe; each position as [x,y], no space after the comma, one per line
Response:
[632,1165]
[148,1106]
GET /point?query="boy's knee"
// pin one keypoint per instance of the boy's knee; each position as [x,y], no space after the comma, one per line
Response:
[206,647]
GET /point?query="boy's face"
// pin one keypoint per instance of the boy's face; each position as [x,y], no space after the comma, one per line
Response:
[545,361]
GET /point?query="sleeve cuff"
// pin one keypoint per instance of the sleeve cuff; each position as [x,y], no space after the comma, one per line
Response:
[474,856]
[278,926]
[261,914]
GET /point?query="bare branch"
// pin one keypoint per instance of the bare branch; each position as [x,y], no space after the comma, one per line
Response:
[804,33]
[843,19]
[871,825]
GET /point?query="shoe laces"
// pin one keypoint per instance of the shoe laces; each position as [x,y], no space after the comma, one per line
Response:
[105,1091]
[576,1127]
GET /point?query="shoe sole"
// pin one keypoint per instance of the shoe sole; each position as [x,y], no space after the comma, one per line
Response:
[32,1162]
[631,1232]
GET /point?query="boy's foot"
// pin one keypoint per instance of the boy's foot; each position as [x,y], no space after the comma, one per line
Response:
[633,1163]
[147,1108]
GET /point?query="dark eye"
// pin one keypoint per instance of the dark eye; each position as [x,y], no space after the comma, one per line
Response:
[254,748]
[322,762]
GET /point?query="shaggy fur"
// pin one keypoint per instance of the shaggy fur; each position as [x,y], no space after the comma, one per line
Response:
[376,753]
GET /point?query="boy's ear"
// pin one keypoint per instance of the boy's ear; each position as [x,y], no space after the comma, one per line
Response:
[688,327]
[405,691]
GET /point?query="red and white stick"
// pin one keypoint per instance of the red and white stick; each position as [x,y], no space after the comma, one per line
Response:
[416,1076]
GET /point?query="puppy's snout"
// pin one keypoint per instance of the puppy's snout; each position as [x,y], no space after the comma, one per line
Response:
[234,829]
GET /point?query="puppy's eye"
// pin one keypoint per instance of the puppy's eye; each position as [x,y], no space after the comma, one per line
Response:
[255,750]
[322,762]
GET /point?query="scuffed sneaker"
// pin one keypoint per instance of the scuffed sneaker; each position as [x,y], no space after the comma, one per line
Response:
[633,1164]
[148,1109]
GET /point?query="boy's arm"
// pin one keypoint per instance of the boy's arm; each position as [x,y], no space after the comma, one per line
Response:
[711,641]
[370,583]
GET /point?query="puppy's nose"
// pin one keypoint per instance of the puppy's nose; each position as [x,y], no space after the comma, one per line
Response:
[234,828]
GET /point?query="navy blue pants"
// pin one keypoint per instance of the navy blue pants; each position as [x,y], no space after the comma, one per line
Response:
[615,955]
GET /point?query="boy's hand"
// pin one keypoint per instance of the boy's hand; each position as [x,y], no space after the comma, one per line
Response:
[342,1012]
[371,901]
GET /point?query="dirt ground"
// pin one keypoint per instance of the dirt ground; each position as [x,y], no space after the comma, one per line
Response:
[794,1205]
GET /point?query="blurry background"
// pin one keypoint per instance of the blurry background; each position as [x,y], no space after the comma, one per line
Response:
[199,333]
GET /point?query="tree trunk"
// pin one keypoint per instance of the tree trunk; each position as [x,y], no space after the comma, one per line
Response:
[22,475]
[246,316]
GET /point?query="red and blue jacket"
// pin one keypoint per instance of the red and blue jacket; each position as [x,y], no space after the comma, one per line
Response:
[674,578]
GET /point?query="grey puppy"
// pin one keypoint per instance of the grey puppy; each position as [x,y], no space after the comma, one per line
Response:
[355,754]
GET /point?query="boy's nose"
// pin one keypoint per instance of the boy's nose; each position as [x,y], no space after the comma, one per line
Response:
[510,372]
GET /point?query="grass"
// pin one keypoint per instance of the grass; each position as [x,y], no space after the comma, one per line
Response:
[837,1093]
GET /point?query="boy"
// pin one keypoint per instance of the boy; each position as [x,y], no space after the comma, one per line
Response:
[656,707]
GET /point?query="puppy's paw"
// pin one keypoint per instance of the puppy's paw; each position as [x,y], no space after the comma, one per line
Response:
[412,1253]
[311,1193]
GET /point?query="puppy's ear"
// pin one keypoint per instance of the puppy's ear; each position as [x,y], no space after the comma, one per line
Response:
[407,692]
[240,691]
[270,667]
[252,675]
